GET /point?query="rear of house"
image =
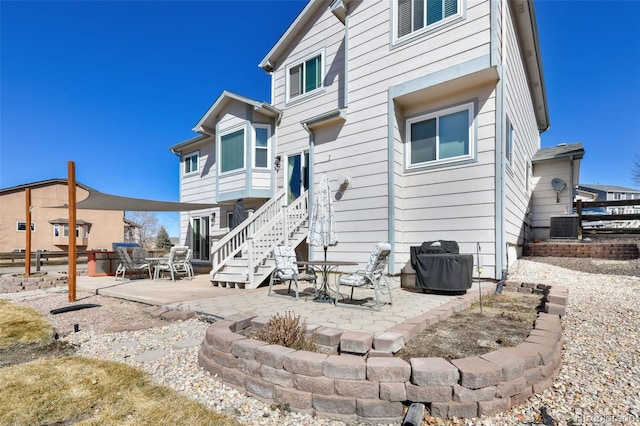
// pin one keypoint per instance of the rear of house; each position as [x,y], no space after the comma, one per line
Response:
[425,116]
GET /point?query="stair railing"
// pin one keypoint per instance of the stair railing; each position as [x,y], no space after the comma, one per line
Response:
[260,224]
[278,231]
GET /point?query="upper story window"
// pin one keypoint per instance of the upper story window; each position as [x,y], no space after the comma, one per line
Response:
[232,151]
[305,77]
[443,136]
[261,146]
[413,16]
[22,226]
[191,163]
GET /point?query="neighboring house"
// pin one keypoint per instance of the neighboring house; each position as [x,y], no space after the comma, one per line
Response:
[131,231]
[425,115]
[613,192]
[556,171]
[95,229]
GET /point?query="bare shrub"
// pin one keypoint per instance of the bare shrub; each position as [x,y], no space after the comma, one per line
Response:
[286,330]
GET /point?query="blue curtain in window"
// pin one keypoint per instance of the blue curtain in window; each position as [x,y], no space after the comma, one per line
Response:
[434,11]
[312,74]
[232,151]
[454,134]
[423,141]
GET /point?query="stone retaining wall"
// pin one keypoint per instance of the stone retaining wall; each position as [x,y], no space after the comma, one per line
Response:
[365,382]
[13,283]
[614,251]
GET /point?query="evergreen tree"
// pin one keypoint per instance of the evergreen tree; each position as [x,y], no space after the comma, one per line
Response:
[162,240]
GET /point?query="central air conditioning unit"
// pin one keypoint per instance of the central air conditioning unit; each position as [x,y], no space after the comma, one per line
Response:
[565,226]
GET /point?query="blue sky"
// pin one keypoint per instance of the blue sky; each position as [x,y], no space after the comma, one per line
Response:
[111,85]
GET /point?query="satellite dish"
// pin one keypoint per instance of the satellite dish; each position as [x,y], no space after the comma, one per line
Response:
[558,185]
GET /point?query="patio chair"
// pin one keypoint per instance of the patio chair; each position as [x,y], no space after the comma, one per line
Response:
[372,277]
[287,270]
[130,265]
[176,263]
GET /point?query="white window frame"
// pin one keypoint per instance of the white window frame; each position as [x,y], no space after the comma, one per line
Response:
[302,61]
[235,129]
[470,108]
[24,225]
[426,28]
[255,147]
[509,142]
[188,159]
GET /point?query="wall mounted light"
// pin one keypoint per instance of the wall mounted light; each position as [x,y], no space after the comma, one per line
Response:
[276,162]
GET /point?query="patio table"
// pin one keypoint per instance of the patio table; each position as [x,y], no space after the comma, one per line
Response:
[325,266]
[153,262]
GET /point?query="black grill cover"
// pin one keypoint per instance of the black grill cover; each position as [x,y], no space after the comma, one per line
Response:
[439,267]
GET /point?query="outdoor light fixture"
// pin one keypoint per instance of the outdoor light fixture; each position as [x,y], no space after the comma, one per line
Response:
[276,163]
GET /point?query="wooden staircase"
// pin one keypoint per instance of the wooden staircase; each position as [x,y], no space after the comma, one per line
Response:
[243,258]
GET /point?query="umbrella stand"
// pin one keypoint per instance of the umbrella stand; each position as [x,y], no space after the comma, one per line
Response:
[324,296]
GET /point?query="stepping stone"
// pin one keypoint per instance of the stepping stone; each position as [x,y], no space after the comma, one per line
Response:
[150,355]
[131,344]
[187,343]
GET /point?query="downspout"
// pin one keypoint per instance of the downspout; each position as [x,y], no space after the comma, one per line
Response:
[390,182]
[572,194]
[498,59]
[311,170]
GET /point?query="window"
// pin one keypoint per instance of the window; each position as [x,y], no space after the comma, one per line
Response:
[419,15]
[441,137]
[22,226]
[191,163]
[232,151]
[200,238]
[304,77]
[508,148]
[261,147]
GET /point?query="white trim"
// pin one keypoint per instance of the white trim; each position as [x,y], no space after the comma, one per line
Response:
[184,159]
[301,61]
[469,107]
[228,131]
[254,147]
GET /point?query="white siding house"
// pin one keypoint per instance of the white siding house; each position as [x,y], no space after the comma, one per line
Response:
[424,115]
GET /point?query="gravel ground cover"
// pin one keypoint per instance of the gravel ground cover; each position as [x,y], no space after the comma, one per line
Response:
[598,383]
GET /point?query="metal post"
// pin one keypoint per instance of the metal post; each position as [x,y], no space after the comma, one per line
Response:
[38,259]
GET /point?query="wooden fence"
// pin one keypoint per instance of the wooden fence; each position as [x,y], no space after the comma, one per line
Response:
[39,258]
[627,223]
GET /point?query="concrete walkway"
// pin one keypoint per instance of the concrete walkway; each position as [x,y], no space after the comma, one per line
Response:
[200,296]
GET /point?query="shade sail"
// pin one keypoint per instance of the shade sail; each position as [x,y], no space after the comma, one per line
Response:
[100,201]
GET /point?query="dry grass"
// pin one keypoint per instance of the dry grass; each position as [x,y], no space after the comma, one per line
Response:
[20,325]
[83,391]
[505,321]
[65,390]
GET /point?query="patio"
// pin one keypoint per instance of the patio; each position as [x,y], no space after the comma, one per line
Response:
[200,296]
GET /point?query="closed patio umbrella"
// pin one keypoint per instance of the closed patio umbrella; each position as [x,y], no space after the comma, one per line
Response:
[322,226]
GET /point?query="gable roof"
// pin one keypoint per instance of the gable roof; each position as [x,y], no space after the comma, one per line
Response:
[296,26]
[226,96]
[40,184]
[607,188]
[562,150]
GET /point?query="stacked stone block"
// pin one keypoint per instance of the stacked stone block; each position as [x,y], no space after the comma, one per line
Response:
[614,251]
[13,283]
[356,377]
